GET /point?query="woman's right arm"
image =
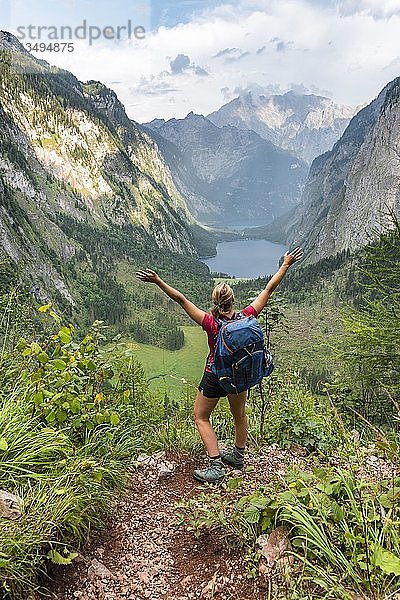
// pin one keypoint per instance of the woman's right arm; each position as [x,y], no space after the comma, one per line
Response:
[191,309]
[289,259]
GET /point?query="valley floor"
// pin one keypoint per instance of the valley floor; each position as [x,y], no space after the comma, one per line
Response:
[167,370]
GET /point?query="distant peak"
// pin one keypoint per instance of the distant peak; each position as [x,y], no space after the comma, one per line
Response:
[8,41]
[193,115]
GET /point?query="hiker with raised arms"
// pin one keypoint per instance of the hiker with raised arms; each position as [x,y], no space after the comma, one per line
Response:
[212,387]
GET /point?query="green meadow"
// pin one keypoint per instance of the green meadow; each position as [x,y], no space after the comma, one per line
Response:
[166,369]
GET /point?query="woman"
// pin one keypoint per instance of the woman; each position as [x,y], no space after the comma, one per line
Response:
[209,390]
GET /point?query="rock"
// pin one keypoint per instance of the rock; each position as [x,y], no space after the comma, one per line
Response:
[298,450]
[98,571]
[10,506]
[262,540]
[157,456]
[341,205]
[165,471]
[144,577]
[144,459]
[209,589]
[274,545]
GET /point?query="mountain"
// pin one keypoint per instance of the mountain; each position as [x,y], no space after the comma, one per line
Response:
[188,183]
[352,189]
[246,179]
[304,124]
[82,186]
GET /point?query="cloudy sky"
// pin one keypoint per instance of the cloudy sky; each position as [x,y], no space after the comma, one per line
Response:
[198,54]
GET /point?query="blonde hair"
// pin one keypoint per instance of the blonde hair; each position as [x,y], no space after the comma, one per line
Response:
[223,299]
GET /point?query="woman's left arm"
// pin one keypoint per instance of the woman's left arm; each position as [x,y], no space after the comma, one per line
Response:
[288,260]
[191,309]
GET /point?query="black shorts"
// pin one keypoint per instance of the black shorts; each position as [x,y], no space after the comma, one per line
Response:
[210,387]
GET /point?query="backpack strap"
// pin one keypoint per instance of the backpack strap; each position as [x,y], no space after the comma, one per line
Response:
[220,322]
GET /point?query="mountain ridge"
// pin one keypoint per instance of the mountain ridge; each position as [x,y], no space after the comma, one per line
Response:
[247,177]
[352,190]
[304,124]
[73,165]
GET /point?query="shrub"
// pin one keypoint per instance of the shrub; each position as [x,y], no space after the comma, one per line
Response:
[291,414]
[344,529]
[70,423]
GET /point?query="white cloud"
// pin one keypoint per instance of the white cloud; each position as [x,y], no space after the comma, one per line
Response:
[377,8]
[347,50]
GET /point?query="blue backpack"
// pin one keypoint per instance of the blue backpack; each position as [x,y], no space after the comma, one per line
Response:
[241,358]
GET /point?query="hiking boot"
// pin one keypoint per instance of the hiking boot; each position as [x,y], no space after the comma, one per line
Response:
[233,458]
[213,473]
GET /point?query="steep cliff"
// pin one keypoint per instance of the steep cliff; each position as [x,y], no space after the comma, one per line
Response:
[352,190]
[71,161]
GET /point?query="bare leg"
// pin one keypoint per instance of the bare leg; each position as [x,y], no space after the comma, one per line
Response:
[203,408]
[237,403]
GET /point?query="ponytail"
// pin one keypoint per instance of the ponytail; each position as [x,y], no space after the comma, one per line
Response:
[223,299]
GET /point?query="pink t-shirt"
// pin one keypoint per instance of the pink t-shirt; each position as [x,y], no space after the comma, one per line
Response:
[211,327]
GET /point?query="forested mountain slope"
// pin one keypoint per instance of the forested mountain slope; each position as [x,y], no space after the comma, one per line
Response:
[82,186]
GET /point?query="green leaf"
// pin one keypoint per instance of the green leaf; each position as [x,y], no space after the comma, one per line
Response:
[65,335]
[43,358]
[3,444]
[37,375]
[62,415]
[36,349]
[55,316]
[51,417]
[337,512]
[75,406]
[58,364]
[38,398]
[251,514]
[58,559]
[22,344]
[98,475]
[114,419]
[234,483]
[99,418]
[387,561]
[44,308]
[260,503]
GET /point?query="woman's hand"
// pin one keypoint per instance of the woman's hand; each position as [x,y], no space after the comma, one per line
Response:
[148,275]
[291,257]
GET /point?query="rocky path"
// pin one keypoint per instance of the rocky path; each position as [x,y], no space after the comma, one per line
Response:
[144,554]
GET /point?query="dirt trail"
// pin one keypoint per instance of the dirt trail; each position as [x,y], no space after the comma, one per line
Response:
[144,554]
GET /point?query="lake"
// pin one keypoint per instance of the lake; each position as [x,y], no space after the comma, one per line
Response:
[246,258]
